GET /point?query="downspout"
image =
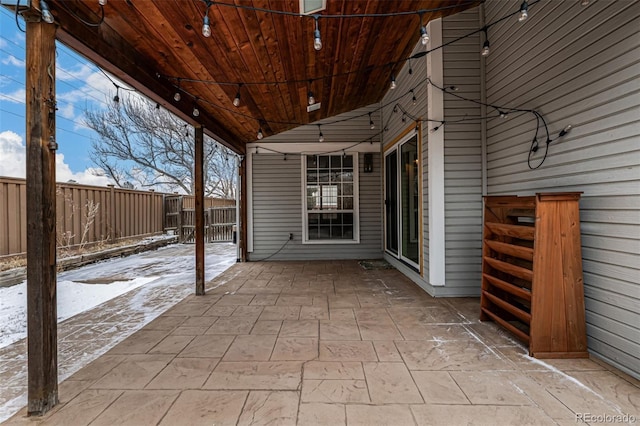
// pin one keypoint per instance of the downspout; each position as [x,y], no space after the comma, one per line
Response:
[483,106]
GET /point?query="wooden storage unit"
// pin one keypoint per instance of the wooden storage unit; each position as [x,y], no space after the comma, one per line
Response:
[532,272]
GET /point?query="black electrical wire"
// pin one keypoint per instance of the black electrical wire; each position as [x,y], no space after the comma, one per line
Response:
[16,15]
[272,254]
[87,23]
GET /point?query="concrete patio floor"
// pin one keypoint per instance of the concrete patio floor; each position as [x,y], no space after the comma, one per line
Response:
[330,343]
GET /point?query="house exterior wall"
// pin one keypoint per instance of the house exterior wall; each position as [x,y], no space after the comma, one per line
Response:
[463,155]
[276,203]
[578,65]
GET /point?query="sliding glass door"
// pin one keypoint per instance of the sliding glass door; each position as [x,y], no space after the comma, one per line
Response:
[402,201]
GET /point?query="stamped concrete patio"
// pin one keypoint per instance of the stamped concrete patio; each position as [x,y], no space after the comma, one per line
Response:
[314,343]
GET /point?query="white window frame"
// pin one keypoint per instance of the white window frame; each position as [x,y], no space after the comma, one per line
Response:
[356,202]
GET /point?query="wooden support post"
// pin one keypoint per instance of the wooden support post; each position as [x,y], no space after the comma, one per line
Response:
[199,209]
[243,209]
[42,324]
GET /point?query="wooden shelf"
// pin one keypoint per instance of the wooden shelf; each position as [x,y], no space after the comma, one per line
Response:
[532,272]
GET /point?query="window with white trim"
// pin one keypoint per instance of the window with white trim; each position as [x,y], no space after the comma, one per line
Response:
[330,198]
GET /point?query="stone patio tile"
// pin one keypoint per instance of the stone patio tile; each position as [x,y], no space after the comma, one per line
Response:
[232,325]
[138,407]
[184,373]
[98,368]
[343,301]
[258,282]
[220,311]
[84,408]
[300,328]
[275,375]
[189,309]
[540,397]
[139,342]
[489,388]
[626,395]
[387,351]
[378,330]
[280,313]
[492,334]
[330,391]
[344,314]
[270,408]
[382,415]
[204,407]
[339,330]
[266,327]
[314,312]
[251,348]
[577,364]
[264,300]
[390,382]
[347,351]
[190,331]
[133,373]
[332,370]
[171,344]
[495,415]
[247,311]
[438,387]
[234,299]
[454,355]
[295,349]
[164,322]
[208,346]
[321,414]
[293,300]
[201,321]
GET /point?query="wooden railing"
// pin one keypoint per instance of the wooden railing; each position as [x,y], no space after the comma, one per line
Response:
[220,217]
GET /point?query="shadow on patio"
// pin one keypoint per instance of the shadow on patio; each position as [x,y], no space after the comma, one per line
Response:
[329,342]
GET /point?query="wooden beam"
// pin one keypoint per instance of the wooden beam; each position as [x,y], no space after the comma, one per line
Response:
[199,193]
[42,337]
[243,209]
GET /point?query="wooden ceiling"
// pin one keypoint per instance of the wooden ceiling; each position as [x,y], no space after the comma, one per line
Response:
[149,44]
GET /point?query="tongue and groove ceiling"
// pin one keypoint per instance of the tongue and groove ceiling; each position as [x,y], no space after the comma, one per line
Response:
[157,46]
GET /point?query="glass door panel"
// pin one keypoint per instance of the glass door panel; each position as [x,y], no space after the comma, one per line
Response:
[410,201]
[391,201]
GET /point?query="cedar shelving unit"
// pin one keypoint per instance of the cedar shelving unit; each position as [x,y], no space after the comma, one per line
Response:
[532,281]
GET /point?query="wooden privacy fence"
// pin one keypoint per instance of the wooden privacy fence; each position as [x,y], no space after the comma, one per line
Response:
[219,218]
[88,215]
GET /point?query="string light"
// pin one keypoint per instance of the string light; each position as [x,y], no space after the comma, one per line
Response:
[311,99]
[413,97]
[177,95]
[236,100]
[503,114]
[102,2]
[317,41]
[196,111]
[524,11]
[584,3]
[424,36]
[410,67]
[485,47]
[404,118]
[206,26]
[116,98]
[46,13]
[564,131]
[393,82]
[371,124]
[435,129]
[320,135]
[259,135]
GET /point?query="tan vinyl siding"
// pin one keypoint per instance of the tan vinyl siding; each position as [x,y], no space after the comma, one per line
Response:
[463,155]
[578,65]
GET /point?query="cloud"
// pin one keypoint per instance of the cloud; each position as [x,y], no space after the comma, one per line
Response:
[13,164]
[13,61]
[17,97]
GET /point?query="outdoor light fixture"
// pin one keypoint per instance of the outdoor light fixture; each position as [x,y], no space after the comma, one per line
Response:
[177,97]
[236,100]
[320,135]
[485,47]
[371,124]
[524,11]
[311,98]
[46,13]
[393,82]
[317,41]
[206,25]
[196,111]
[260,135]
[424,36]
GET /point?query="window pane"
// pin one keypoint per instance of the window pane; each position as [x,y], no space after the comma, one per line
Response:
[336,162]
[323,161]
[347,203]
[347,189]
[348,162]
[323,176]
[347,176]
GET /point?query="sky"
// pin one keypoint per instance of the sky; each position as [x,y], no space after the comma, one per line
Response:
[80,85]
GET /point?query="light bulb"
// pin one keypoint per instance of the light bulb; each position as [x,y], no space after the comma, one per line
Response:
[260,135]
[371,124]
[102,2]
[485,48]
[46,13]
[320,137]
[584,3]
[236,100]
[393,83]
[524,14]
[317,41]
[424,36]
[196,111]
[312,99]
[503,114]
[206,27]
[116,98]
[177,97]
